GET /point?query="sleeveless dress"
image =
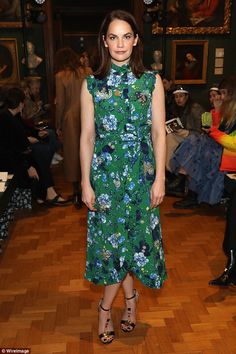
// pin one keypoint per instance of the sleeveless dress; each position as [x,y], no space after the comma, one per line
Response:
[124,234]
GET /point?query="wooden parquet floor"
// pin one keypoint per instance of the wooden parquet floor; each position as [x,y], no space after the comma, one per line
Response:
[47,306]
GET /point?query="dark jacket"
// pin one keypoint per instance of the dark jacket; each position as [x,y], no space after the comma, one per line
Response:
[14,147]
[190,116]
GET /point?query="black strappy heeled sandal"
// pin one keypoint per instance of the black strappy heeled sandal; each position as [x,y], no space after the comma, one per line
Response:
[106,337]
[127,325]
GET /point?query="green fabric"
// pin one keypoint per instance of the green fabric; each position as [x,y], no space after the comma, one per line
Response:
[124,234]
[206,119]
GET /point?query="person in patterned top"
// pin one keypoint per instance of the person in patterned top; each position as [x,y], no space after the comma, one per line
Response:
[122,154]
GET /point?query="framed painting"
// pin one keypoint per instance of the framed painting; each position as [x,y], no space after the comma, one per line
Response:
[83,42]
[10,13]
[80,41]
[196,17]
[189,61]
[9,64]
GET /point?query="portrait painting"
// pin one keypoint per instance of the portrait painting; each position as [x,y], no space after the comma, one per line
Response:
[10,13]
[189,61]
[9,68]
[196,16]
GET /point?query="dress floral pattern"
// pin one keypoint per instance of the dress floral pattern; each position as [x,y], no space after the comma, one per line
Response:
[124,234]
[20,199]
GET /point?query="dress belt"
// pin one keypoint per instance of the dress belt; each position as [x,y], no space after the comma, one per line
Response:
[129,137]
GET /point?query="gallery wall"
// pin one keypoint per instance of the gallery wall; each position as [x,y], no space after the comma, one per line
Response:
[226,41]
[38,33]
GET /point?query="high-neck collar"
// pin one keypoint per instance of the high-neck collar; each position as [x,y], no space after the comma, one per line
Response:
[120,69]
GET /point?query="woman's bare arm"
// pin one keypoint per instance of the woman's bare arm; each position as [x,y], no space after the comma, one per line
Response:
[87,140]
[159,142]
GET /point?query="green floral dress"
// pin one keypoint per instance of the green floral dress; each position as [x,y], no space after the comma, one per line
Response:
[124,234]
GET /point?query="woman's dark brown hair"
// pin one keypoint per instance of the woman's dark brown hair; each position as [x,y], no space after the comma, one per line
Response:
[136,62]
[66,59]
[228,108]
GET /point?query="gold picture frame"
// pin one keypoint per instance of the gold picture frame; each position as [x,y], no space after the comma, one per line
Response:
[9,63]
[189,61]
[216,21]
[10,14]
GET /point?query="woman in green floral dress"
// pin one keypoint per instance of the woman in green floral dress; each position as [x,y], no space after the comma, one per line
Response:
[123,170]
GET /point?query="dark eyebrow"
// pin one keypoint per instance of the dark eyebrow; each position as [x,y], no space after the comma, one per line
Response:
[112,34]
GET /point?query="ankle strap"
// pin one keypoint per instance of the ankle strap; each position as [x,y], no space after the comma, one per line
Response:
[101,307]
[132,297]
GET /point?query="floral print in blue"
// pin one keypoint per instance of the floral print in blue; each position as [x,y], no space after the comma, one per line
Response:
[124,234]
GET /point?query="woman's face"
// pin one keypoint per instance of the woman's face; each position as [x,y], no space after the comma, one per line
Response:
[181,99]
[120,40]
[223,94]
[214,95]
[35,88]
[84,59]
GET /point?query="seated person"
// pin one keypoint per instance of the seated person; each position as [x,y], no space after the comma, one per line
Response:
[34,107]
[189,113]
[195,143]
[200,158]
[14,159]
[16,156]
[35,119]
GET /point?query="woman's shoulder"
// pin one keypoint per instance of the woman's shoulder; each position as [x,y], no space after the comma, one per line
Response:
[90,79]
[60,74]
[65,73]
[149,78]
[150,73]
[91,82]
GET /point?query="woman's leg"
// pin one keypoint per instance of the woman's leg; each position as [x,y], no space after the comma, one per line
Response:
[172,142]
[109,295]
[105,323]
[42,155]
[128,320]
[128,285]
[51,194]
[53,142]
[228,277]
[229,242]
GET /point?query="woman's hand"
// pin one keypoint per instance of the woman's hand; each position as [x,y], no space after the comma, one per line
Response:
[88,197]
[182,132]
[157,193]
[43,133]
[32,140]
[59,132]
[33,173]
[205,130]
